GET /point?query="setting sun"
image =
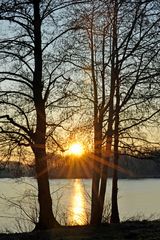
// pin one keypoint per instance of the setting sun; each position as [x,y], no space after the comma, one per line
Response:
[76,149]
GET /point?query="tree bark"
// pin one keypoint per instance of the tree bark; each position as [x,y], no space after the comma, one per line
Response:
[46,218]
[96,174]
[114,200]
[114,206]
[97,139]
[110,117]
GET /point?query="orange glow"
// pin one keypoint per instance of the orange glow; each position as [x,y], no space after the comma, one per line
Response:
[76,149]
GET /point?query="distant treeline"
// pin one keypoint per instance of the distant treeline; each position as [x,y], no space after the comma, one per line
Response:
[129,167]
[15,169]
[82,167]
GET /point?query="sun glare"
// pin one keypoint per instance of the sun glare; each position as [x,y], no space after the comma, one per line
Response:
[76,149]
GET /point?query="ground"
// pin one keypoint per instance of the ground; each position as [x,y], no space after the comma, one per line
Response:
[144,230]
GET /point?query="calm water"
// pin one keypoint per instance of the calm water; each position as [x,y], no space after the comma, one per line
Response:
[71,201]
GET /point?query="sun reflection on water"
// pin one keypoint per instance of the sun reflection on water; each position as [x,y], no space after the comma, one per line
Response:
[77,212]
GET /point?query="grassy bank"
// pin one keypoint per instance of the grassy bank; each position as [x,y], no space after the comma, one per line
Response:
[144,230]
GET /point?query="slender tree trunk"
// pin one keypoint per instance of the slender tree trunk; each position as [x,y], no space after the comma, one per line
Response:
[110,117]
[114,207]
[97,139]
[104,168]
[96,174]
[114,200]
[46,218]
[104,177]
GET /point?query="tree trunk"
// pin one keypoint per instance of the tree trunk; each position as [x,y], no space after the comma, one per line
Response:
[97,140]
[102,194]
[95,199]
[104,176]
[111,115]
[46,218]
[96,174]
[114,207]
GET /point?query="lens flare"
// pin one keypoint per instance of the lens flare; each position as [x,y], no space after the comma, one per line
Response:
[76,149]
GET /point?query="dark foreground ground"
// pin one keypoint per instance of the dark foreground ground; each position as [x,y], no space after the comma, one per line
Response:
[128,230]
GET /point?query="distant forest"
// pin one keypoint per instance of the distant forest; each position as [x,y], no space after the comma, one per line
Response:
[82,167]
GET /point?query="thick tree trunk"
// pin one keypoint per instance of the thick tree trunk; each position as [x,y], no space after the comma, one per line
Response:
[46,218]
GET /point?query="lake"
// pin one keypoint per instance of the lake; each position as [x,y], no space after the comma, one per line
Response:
[71,201]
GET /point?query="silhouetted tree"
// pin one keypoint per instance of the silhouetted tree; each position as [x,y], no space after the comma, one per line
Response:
[135,74]
[118,54]
[33,81]
[91,57]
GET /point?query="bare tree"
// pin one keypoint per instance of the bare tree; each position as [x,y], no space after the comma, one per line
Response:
[33,82]
[136,54]
[118,53]
[91,57]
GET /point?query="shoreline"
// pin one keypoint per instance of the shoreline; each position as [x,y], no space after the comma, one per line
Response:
[137,230]
[85,178]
